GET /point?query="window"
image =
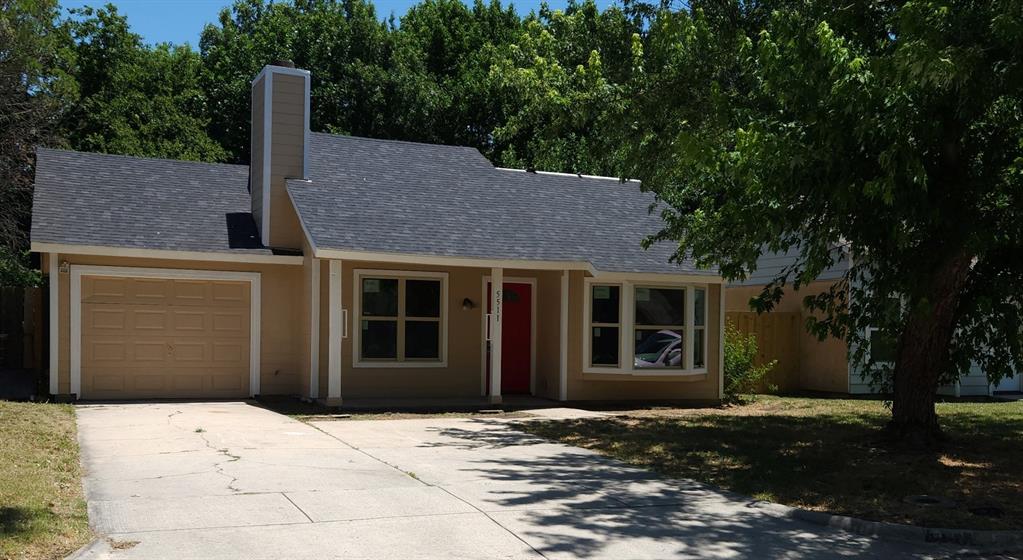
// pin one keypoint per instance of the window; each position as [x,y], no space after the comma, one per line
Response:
[605,325]
[659,326]
[401,319]
[882,346]
[645,329]
[699,328]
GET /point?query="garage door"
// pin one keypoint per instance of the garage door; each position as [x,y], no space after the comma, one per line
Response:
[164,338]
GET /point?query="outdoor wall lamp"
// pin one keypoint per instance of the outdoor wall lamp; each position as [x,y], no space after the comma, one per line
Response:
[64,267]
[467,304]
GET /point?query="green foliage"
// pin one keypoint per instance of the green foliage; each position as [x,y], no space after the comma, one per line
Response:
[16,270]
[742,374]
[132,98]
[886,132]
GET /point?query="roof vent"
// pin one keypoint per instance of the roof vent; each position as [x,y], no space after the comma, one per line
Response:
[284,62]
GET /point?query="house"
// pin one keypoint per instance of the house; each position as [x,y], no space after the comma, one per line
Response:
[806,363]
[335,268]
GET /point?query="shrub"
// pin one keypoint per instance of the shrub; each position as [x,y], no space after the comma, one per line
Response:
[742,375]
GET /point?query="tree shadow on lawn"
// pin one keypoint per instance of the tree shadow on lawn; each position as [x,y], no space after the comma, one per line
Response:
[21,522]
[835,463]
[566,500]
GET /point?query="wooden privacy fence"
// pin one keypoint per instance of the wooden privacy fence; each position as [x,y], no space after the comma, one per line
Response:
[777,339]
[21,328]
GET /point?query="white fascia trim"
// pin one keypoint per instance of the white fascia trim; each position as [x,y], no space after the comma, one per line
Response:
[626,327]
[577,175]
[668,277]
[279,70]
[54,323]
[314,331]
[102,251]
[255,309]
[471,262]
[268,112]
[357,361]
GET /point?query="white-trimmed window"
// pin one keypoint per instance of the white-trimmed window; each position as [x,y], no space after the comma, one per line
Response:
[645,328]
[402,319]
[881,346]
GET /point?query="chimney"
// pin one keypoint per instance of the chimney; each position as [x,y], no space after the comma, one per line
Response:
[280,150]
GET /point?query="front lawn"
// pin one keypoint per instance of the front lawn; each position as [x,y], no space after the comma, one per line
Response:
[824,454]
[42,509]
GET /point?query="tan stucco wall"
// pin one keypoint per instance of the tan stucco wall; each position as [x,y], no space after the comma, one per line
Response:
[823,365]
[589,386]
[280,306]
[548,333]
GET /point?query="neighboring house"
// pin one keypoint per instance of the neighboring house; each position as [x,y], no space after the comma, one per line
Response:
[335,268]
[806,363]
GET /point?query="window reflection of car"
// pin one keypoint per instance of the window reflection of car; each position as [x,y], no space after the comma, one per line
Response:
[661,349]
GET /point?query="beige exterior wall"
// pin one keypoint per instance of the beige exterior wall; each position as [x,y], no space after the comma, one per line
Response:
[823,365]
[548,333]
[602,386]
[280,313]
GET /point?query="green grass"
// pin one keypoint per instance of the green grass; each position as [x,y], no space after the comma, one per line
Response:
[826,455]
[42,509]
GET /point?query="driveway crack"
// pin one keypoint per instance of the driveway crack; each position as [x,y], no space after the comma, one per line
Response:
[287,497]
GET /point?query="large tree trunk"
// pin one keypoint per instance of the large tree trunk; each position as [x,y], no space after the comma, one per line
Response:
[923,353]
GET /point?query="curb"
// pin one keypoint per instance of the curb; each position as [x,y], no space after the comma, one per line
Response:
[988,541]
[98,548]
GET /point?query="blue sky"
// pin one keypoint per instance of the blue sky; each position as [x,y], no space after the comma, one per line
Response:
[181,21]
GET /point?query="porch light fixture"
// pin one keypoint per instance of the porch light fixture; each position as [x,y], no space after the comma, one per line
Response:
[467,304]
[64,267]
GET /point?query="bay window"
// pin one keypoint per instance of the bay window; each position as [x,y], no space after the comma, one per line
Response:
[401,318]
[645,329]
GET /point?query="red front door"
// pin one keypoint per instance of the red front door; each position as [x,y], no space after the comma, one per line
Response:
[516,338]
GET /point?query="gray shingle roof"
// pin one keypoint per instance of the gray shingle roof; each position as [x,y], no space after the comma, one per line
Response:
[409,198]
[118,201]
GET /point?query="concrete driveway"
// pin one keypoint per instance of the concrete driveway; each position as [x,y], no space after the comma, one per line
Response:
[232,480]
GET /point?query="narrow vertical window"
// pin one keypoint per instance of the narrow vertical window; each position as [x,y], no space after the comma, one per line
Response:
[605,325]
[699,328]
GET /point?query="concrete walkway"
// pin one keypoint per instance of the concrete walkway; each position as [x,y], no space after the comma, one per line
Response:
[231,480]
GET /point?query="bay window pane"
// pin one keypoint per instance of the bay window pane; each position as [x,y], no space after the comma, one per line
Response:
[380,339]
[606,304]
[699,304]
[422,298]
[658,348]
[380,297]
[604,346]
[660,306]
[422,340]
[698,355]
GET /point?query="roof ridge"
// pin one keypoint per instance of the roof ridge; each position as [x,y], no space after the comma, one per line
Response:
[576,175]
[390,141]
[140,158]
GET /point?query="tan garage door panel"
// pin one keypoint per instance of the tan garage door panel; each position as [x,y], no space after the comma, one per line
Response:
[151,338]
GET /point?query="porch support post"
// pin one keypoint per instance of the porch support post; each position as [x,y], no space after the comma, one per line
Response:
[563,340]
[497,299]
[54,272]
[334,335]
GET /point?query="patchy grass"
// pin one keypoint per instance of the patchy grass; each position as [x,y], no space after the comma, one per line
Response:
[825,454]
[42,508]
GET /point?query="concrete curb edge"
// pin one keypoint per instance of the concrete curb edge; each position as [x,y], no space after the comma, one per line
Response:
[985,540]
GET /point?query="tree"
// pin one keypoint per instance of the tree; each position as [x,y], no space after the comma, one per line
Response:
[892,130]
[133,99]
[30,92]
